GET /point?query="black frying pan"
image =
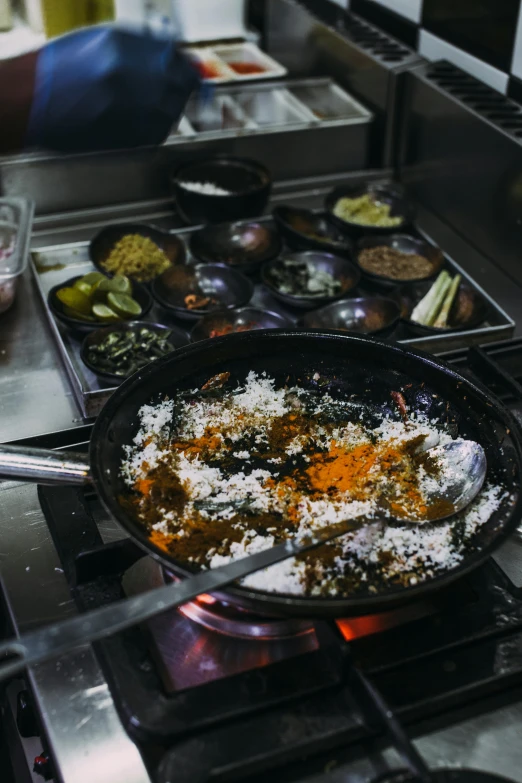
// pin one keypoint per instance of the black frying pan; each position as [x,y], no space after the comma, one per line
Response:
[362,366]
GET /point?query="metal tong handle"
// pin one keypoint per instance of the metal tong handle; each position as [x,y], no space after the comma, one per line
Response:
[59,638]
[43,465]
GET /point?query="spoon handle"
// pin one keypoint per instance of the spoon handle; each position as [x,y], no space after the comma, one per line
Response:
[59,638]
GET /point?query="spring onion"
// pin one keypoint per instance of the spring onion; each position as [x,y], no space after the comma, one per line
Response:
[441,322]
[434,308]
[422,310]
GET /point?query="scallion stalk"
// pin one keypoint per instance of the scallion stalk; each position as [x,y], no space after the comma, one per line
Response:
[425,306]
[441,322]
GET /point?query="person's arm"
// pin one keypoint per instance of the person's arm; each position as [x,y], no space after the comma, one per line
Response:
[17,78]
[97,88]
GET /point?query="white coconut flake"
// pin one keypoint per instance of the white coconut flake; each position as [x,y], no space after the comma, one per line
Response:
[379,550]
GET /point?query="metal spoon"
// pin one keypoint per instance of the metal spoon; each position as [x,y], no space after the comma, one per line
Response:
[466,457]
[464,470]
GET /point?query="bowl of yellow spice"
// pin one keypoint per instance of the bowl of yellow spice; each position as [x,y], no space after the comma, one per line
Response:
[135,250]
[369,208]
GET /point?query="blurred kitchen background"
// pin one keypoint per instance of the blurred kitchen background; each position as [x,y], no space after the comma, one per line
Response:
[483,37]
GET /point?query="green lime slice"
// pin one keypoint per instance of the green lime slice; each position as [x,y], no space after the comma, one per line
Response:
[77,315]
[93,277]
[100,290]
[104,313]
[120,285]
[84,287]
[75,299]
[123,304]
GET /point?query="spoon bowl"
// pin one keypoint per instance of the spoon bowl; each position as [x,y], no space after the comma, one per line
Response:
[464,468]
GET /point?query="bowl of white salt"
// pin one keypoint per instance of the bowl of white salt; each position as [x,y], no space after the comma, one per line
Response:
[216,190]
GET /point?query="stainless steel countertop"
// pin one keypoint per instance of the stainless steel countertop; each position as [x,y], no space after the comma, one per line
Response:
[35,395]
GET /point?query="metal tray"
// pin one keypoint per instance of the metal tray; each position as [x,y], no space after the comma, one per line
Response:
[255,108]
[326,100]
[54,264]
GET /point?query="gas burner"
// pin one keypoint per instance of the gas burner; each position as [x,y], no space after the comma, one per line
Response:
[231,620]
[442,775]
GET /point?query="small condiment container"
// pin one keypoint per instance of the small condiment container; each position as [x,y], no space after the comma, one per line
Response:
[16,218]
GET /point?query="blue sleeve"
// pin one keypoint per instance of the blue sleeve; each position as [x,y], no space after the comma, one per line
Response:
[102,88]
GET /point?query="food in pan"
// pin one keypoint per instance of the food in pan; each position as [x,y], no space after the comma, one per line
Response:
[124,352]
[302,278]
[136,256]
[434,308]
[366,211]
[220,472]
[95,297]
[208,69]
[388,262]
[245,68]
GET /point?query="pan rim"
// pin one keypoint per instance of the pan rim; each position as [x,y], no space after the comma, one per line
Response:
[300,605]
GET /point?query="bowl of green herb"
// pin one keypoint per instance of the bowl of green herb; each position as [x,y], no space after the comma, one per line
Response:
[449,304]
[117,351]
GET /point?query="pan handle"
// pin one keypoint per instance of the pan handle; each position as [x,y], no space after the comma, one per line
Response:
[44,466]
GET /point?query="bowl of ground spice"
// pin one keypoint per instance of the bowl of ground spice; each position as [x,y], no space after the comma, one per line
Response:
[398,259]
[190,292]
[370,208]
[135,250]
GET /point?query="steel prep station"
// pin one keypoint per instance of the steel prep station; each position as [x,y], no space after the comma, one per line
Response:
[419,126]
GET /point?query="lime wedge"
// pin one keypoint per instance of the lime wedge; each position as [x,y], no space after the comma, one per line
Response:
[75,299]
[77,315]
[123,304]
[100,290]
[120,285]
[93,277]
[104,313]
[84,287]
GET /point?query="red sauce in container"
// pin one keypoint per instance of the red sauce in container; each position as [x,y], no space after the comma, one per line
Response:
[246,68]
[207,70]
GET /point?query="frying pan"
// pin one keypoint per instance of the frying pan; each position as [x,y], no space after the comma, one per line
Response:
[365,368]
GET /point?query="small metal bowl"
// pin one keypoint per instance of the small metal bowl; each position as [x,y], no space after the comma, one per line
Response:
[248,184]
[387,194]
[404,244]
[469,309]
[139,293]
[303,229]
[242,246]
[244,319]
[230,289]
[367,315]
[340,268]
[177,339]
[103,243]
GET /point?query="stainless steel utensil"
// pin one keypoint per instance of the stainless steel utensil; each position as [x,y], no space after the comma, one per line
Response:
[464,483]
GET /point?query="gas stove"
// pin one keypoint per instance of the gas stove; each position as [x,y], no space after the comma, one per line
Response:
[212,692]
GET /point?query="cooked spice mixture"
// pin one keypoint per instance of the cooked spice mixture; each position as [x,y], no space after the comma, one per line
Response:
[137,257]
[219,473]
[366,211]
[388,262]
